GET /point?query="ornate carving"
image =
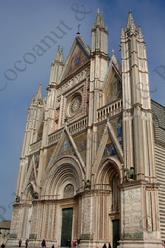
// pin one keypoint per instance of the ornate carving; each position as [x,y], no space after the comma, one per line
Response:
[87,185]
[68,191]
[35,195]
[75,104]
[73,81]
[130,174]
[136,235]
[132,212]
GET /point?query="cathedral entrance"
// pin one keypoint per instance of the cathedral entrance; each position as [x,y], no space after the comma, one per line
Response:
[116,232]
[66,232]
[109,217]
[115,210]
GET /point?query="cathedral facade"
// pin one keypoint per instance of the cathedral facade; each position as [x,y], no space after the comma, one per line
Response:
[93,158]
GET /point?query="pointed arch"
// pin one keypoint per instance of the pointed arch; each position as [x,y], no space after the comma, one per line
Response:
[107,169]
[109,178]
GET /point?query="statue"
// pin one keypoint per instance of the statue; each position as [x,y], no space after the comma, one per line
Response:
[87,185]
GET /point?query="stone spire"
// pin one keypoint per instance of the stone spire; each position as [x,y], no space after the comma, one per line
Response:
[56,67]
[34,118]
[99,35]
[98,70]
[39,96]
[131,22]
[114,59]
[138,140]
[99,20]
[59,58]
[141,37]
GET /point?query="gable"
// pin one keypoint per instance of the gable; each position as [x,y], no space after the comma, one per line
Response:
[81,143]
[110,142]
[66,149]
[78,56]
[62,148]
[112,87]
[65,146]
[32,170]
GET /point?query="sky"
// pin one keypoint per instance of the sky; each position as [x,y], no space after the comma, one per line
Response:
[23,25]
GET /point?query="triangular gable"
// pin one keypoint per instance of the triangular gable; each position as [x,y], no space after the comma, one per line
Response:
[109,146]
[78,56]
[112,86]
[62,148]
[65,146]
[31,175]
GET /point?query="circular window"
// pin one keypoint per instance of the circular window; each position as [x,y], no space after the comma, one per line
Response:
[75,104]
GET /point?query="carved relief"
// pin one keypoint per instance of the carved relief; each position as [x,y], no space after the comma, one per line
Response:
[73,82]
[132,211]
[56,117]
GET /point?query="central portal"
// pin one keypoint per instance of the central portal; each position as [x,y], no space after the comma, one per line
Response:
[66,232]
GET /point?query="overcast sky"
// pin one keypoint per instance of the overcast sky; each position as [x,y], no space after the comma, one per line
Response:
[24,24]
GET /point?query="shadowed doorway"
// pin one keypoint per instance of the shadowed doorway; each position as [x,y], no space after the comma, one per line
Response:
[66,232]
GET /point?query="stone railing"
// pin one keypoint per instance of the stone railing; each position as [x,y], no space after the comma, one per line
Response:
[74,128]
[54,137]
[78,126]
[35,146]
[109,110]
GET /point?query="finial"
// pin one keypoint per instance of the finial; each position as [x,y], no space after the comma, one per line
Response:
[122,33]
[62,49]
[114,59]
[131,23]
[59,55]
[140,33]
[78,29]
[99,19]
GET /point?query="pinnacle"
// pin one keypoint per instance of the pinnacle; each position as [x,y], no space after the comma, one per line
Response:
[113,58]
[131,22]
[38,96]
[140,33]
[122,33]
[99,20]
[59,55]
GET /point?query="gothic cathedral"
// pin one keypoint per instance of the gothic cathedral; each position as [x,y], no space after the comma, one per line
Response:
[92,167]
